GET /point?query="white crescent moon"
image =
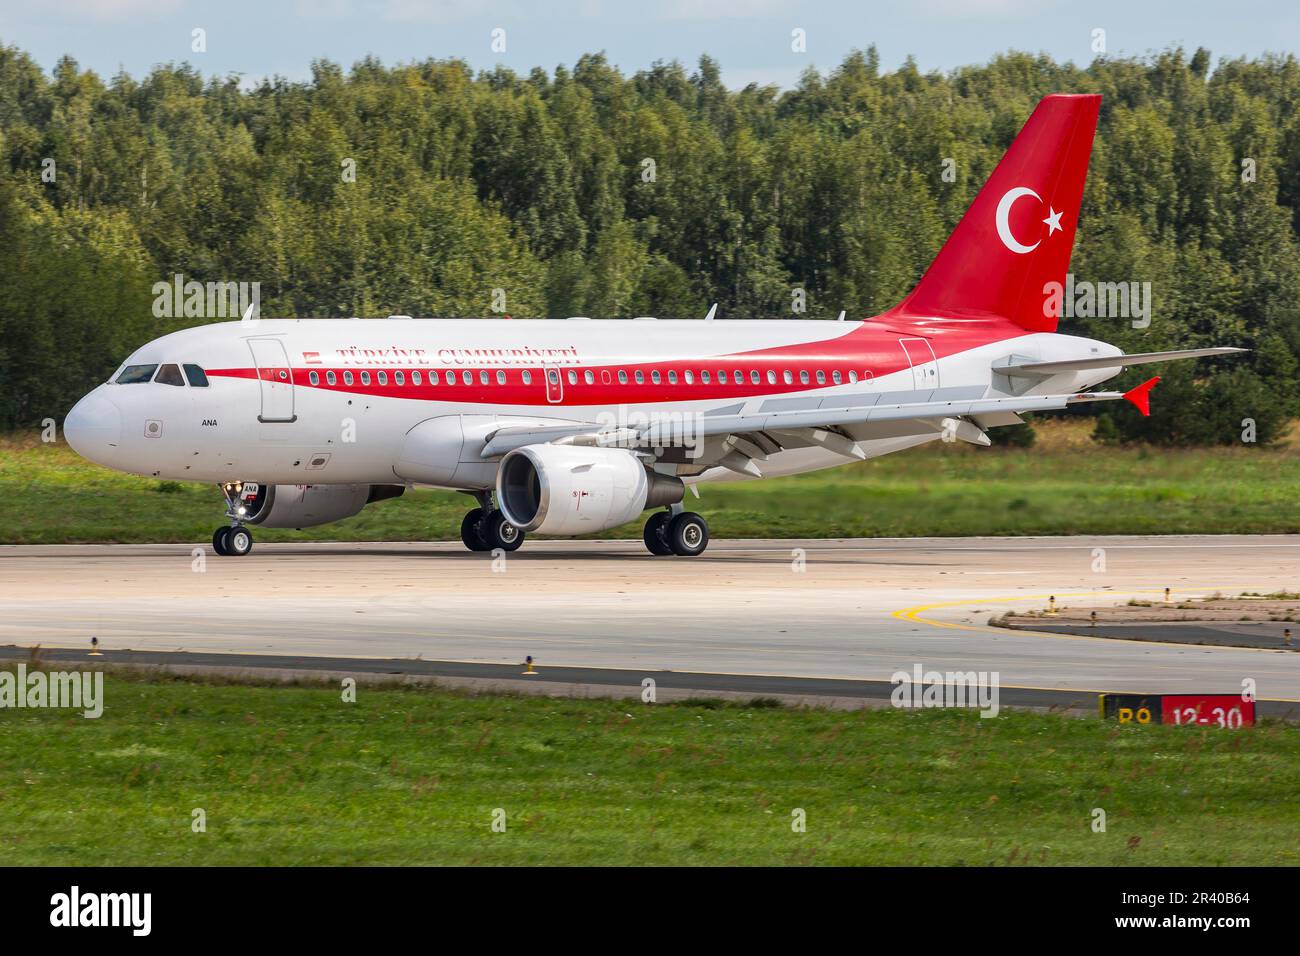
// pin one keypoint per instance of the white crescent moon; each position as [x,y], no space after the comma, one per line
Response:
[1004,209]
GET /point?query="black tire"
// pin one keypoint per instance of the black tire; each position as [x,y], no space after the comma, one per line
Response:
[500,533]
[688,534]
[655,534]
[219,541]
[239,541]
[471,531]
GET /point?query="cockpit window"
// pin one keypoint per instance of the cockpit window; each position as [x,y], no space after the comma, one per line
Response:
[134,374]
[198,378]
[170,375]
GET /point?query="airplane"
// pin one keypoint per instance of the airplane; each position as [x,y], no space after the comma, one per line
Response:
[572,427]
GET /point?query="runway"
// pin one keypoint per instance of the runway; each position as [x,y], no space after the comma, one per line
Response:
[856,610]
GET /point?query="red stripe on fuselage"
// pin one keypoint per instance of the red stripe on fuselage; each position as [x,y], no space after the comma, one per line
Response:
[870,351]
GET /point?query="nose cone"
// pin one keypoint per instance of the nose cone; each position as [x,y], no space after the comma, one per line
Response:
[94,427]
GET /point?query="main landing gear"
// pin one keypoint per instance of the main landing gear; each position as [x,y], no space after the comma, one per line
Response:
[233,541]
[486,529]
[685,533]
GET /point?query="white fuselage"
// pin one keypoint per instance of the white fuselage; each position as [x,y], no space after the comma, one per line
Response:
[318,401]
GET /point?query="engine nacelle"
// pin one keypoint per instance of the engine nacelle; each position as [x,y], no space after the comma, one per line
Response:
[305,506]
[577,489]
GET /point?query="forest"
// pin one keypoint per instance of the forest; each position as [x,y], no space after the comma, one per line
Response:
[429,190]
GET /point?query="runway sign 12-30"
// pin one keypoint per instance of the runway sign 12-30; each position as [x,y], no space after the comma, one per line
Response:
[1187,710]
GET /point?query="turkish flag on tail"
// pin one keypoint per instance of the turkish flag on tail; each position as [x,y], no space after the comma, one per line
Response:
[1017,235]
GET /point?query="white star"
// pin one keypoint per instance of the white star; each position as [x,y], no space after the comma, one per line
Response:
[1053,220]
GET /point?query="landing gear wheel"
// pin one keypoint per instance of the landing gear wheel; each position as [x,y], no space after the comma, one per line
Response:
[688,534]
[238,541]
[500,533]
[471,531]
[655,535]
[219,541]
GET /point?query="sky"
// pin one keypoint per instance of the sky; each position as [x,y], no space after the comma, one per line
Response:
[751,39]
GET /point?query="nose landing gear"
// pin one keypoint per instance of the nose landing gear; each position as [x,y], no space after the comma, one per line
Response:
[233,541]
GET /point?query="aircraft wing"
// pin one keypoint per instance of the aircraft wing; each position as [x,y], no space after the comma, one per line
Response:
[689,429]
[674,433]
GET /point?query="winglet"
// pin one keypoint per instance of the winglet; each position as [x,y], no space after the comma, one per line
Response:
[1141,396]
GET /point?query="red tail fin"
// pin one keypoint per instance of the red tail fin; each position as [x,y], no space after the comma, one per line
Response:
[1017,235]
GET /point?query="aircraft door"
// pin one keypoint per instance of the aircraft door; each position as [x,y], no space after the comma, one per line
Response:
[925,369]
[275,377]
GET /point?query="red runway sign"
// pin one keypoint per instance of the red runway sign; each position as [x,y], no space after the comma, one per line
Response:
[1228,711]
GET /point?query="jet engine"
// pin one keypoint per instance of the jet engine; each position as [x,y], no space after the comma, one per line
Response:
[577,489]
[304,506]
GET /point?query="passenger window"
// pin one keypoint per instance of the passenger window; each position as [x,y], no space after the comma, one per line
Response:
[704,376]
[654,376]
[771,377]
[588,378]
[482,376]
[672,377]
[853,376]
[197,377]
[722,376]
[501,378]
[788,377]
[803,376]
[330,379]
[821,377]
[553,376]
[365,378]
[835,376]
[467,377]
[135,374]
[573,377]
[347,378]
[689,376]
[313,378]
[170,375]
[527,377]
[640,377]
[415,378]
[383,378]
[622,377]
[400,378]
[753,376]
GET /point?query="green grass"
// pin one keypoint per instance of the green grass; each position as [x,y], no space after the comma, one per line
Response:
[1068,486]
[292,775]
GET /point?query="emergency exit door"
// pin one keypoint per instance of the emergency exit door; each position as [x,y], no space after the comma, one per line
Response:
[554,384]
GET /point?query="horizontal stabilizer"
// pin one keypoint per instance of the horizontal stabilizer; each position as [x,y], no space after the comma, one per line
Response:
[1141,396]
[1112,361]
